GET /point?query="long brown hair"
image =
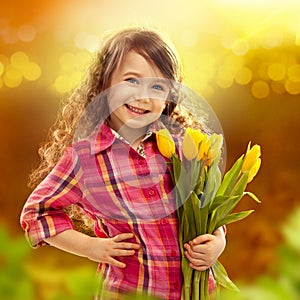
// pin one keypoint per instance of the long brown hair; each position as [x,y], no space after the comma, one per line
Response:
[148,43]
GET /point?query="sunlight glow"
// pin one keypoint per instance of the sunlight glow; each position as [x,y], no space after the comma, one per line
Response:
[222,43]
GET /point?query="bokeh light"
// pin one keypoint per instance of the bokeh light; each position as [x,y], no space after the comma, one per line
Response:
[228,61]
[12,77]
[260,89]
[243,76]
[26,33]
[276,71]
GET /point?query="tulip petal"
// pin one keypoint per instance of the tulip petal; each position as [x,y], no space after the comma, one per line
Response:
[165,143]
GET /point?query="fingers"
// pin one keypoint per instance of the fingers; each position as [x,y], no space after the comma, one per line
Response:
[204,238]
[195,257]
[197,260]
[123,236]
[109,257]
[198,265]
[119,244]
[116,263]
[111,250]
[119,252]
[199,252]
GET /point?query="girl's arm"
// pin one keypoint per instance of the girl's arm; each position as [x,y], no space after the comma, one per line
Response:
[204,250]
[94,248]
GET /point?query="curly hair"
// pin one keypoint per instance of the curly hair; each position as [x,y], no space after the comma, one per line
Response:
[148,43]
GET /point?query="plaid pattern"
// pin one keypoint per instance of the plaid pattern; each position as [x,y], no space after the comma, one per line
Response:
[122,191]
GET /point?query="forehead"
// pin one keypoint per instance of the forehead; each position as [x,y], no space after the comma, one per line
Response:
[136,63]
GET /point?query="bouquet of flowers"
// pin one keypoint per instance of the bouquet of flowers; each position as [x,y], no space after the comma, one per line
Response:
[204,200]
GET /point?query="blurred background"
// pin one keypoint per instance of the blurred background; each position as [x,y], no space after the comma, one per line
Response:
[242,56]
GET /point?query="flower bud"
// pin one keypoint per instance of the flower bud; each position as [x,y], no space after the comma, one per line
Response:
[251,161]
[251,157]
[216,141]
[253,171]
[190,143]
[165,143]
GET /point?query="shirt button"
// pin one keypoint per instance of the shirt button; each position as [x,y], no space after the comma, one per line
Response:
[141,161]
[151,192]
[173,253]
[177,285]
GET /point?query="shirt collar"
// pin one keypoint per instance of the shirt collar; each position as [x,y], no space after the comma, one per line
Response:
[104,136]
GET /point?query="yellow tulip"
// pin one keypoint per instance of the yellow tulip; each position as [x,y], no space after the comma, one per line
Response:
[196,135]
[216,141]
[165,143]
[189,148]
[204,148]
[251,157]
[190,143]
[253,171]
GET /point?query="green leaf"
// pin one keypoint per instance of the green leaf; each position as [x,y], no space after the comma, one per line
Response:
[180,180]
[222,278]
[194,174]
[252,196]
[223,211]
[234,217]
[196,212]
[219,201]
[188,224]
[176,167]
[240,185]
[212,184]
[230,178]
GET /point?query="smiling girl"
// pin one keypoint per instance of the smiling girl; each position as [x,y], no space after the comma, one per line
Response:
[102,156]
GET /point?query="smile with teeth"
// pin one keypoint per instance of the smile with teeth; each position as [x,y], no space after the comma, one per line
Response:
[136,110]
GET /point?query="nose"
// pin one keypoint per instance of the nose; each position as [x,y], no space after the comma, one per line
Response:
[144,93]
[144,100]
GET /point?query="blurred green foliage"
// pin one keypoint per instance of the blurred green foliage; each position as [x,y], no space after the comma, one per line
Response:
[14,282]
[283,279]
[21,278]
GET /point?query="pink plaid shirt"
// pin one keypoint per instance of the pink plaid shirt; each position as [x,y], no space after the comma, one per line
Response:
[122,191]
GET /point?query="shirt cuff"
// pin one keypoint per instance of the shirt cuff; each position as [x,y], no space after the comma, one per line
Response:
[37,231]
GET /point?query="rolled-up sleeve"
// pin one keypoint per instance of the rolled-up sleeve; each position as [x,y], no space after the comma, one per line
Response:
[43,214]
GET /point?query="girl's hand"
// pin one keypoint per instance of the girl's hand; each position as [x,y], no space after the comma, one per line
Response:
[96,249]
[105,249]
[204,250]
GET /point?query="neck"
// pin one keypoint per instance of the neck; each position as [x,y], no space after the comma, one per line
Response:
[132,135]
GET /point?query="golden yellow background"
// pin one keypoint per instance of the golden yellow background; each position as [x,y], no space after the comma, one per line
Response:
[242,56]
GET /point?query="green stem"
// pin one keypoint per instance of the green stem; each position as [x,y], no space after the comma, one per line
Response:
[196,285]
[187,280]
[204,285]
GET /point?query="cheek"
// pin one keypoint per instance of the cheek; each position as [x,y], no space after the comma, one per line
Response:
[118,95]
[159,105]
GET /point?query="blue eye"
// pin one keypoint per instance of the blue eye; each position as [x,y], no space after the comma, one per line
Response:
[158,87]
[132,80]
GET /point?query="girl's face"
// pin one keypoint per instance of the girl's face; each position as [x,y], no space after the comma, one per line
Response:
[138,93]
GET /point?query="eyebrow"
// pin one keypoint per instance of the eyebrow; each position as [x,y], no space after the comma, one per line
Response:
[132,73]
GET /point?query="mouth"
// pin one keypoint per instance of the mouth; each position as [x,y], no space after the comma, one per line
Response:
[136,110]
